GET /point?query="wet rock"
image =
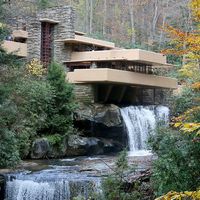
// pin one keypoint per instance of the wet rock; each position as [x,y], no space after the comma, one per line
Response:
[74,145]
[40,148]
[102,121]
[58,150]
[111,146]
[95,146]
[108,115]
[2,186]
[78,146]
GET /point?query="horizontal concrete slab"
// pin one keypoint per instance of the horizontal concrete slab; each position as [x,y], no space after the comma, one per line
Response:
[20,34]
[113,76]
[51,21]
[137,55]
[17,48]
[79,39]
[79,33]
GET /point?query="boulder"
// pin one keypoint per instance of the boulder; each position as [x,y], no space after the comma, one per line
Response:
[40,148]
[74,145]
[111,146]
[107,115]
[79,146]
[101,121]
[58,150]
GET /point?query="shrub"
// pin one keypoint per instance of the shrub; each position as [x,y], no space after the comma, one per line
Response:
[55,139]
[9,154]
[177,166]
[34,99]
[114,186]
[32,105]
[182,101]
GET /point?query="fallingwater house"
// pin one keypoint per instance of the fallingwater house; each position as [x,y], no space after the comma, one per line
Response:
[102,75]
[100,71]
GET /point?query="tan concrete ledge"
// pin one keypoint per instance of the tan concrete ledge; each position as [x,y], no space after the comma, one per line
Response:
[20,34]
[137,55]
[79,39]
[17,48]
[49,20]
[79,33]
[113,76]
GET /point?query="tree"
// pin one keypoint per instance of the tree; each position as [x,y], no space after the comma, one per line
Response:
[60,114]
[114,186]
[177,167]
[187,44]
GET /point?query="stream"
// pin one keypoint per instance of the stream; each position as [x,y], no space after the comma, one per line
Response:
[64,179]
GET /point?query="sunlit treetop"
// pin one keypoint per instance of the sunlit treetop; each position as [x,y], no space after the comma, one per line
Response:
[186,42]
[195,6]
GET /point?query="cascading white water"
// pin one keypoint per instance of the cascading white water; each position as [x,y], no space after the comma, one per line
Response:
[140,122]
[29,189]
[51,184]
[162,113]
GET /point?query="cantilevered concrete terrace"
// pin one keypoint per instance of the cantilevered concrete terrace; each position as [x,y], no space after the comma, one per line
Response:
[136,55]
[17,48]
[80,39]
[20,34]
[113,76]
[118,67]
[18,44]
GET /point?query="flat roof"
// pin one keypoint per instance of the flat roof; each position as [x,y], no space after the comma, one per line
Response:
[79,39]
[136,55]
[113,76]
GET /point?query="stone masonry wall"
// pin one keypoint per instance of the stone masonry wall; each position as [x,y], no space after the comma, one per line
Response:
[62,30]
[158,97]
[84,93]
[162,96]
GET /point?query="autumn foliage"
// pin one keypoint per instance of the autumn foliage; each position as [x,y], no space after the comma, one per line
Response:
[183,42]
[187,45]
[181,195]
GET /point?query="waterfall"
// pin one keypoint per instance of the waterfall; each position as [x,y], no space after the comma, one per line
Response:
[29,189]
[140,123]
[51,184]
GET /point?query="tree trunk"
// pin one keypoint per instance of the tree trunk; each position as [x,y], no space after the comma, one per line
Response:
[86,16]
[163,23]
[155,19]
[91,16]
[130,2]
[104,17]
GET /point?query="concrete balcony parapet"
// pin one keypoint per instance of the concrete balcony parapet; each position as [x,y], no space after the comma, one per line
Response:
[16,48]
[112,76]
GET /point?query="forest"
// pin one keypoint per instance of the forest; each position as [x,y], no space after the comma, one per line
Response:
[129,23]
[35,101]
